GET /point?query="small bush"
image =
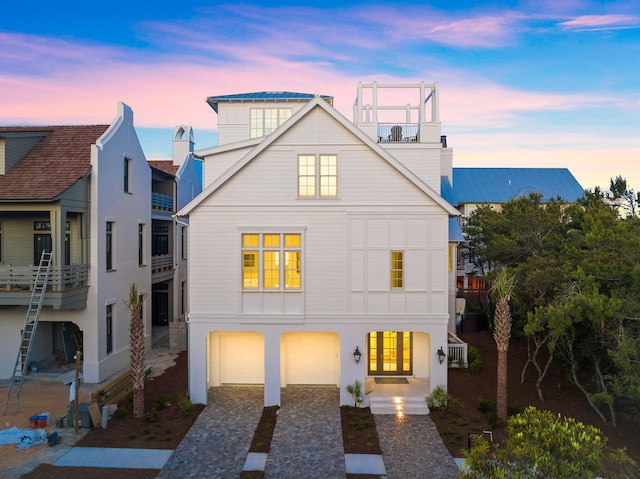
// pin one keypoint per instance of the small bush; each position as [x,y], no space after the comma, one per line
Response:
[485,405]
[119,413]
[151,416]
[473,359]
[184,403]
[161,402]
[440,399]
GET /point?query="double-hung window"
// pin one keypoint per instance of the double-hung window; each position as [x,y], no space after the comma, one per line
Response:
[317,176]
[271,261]
[263,121]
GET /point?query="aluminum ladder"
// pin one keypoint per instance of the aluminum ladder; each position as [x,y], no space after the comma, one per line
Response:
[29,331]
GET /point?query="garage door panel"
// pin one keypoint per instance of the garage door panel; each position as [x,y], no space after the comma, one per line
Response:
[311,358]
[242,358]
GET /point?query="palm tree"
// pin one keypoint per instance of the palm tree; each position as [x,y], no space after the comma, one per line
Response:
[136,348]
[502,288]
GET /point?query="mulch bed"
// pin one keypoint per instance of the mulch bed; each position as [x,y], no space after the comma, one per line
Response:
[359,435]
[561,396]
[162,429]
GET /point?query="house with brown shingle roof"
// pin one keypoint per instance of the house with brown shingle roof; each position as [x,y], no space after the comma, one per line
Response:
[83,193]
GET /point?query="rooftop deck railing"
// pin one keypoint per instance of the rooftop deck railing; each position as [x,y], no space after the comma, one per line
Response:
[398,132]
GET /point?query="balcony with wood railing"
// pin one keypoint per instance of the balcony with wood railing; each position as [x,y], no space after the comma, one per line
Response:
[66,289]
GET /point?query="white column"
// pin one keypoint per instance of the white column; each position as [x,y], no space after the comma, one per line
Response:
[198,360]
[272,369]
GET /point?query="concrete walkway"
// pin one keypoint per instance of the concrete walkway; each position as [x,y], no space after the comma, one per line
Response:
[115,457]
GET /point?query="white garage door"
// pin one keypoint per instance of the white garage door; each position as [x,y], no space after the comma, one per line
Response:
[241,358]
[310,358]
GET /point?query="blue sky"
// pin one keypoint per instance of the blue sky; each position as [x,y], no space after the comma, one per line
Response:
[547,83]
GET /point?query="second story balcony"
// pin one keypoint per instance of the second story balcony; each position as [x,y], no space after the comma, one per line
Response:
[162,202]
[66,289]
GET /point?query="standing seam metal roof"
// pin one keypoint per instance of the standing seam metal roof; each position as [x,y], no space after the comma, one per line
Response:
[499,185]
[265,97]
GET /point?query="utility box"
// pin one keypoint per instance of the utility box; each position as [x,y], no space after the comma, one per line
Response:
[84,418]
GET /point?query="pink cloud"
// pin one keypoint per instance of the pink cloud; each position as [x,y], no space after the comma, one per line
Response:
[601,22]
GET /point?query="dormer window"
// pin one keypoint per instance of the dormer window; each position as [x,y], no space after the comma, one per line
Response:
[264,120]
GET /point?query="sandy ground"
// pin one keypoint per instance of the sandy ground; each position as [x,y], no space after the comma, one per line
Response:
[43,392]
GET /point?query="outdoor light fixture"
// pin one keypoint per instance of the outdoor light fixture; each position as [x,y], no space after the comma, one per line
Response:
[357,355]
[441,355]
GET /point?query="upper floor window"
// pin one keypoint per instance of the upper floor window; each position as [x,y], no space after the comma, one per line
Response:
[108,245]
[271,261]
[397,269]
[183,242]
[263,121]
[127,175]
[317,176]
[109,336]
[141,244]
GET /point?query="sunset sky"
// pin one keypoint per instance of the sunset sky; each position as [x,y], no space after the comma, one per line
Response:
[544,83]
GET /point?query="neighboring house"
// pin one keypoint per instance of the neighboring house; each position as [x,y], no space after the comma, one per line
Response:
[316,238]
[470,188]
[82,192]
[174,184]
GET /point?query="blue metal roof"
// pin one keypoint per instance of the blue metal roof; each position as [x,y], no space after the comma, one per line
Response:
[499,185]
[455,231]
[265,97]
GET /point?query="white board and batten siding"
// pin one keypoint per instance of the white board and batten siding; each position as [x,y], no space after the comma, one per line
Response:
[423,241]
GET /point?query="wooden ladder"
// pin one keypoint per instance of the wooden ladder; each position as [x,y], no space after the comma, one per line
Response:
[28,333]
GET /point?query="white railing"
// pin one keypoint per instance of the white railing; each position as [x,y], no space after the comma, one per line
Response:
[61,278]
[398,132]
[457,352]
[161,262]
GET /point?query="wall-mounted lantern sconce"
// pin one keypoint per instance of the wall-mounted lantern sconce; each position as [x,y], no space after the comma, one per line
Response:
[441,355]
[357,355]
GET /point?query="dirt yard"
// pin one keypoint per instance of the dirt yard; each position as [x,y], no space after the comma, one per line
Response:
[43,392]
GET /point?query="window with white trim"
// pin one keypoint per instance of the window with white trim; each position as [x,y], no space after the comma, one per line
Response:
[317,176]
[263,121]
[397,269]
[271,261]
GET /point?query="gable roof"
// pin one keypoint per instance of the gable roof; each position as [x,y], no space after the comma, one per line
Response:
[318,102]
[265,97]
[499,185]
[55,163]
[166,166]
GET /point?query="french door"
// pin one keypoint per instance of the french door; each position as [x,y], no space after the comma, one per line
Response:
[390,353]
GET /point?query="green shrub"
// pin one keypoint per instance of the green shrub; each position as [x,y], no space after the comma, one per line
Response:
[161,402]
[541,444]
[485,405]
[440,399]
[184,403]
[473,359]
[151,416]
[358,393]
